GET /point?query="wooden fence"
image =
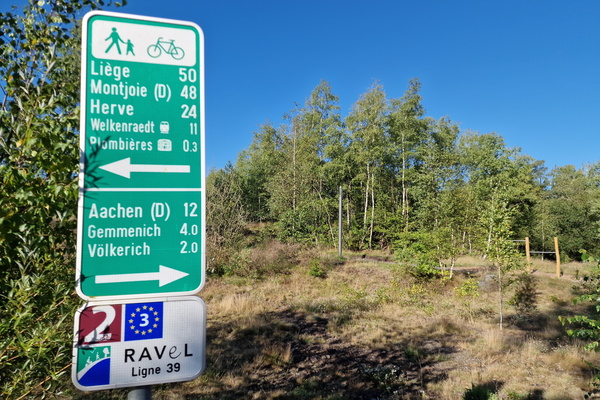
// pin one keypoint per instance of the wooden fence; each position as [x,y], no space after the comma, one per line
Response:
[528,254]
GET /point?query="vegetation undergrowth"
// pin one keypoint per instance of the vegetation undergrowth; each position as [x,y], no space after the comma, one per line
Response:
[371,329]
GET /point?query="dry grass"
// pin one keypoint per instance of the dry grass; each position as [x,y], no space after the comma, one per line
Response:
[571,270]
[369,331]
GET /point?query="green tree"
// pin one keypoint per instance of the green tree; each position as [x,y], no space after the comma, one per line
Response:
[256,166]
[435,184]
[302,190]
[408,130]
[572,202]
[321,121]
[586,326]
[290,187]
[39,118]
[226,217]
[367,123]
[501,180]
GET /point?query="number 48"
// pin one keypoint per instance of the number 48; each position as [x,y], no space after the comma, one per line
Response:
[189,92]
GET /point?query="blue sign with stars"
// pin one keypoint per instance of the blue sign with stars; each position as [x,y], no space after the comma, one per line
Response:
[143,321]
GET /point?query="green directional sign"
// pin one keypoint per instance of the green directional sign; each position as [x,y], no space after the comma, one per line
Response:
[141,207]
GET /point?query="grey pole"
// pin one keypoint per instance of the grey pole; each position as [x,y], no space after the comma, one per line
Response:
[340,226]
[140,393]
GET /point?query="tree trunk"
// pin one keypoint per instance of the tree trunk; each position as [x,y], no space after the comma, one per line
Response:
[372,210]
[404,189]
[366,209]
[500,295]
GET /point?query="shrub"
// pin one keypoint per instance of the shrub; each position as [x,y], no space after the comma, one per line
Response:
[315,269]
[414,249]
[525,297]
[481,392]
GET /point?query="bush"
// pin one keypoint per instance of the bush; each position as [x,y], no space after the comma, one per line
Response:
[485,391]
[415,251]
[587,327]
[525,297]
[315,269]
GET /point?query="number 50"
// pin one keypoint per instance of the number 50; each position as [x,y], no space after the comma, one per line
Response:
[188,75]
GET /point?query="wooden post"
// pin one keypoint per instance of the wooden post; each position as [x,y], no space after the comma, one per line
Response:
[557,257]
[527,254]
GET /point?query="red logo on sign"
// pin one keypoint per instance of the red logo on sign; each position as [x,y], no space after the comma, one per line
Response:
[100,324]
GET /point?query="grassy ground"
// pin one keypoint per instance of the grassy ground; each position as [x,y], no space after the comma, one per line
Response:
[362,328]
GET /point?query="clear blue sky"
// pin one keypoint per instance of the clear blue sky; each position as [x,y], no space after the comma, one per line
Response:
[527,70]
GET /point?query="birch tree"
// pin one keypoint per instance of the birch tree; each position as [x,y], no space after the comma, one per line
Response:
[367,125]
[39,119]
[407,130]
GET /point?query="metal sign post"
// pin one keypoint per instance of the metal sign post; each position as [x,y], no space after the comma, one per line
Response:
[141,393]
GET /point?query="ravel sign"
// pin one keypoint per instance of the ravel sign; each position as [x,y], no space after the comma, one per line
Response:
[141,206]
[138,343]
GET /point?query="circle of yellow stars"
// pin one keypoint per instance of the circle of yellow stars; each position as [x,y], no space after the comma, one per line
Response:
[154,325]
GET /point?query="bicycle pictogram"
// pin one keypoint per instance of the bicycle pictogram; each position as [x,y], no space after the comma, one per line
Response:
[155,50]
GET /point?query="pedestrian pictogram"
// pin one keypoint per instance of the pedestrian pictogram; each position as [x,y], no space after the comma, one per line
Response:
[115,40]
[130,47]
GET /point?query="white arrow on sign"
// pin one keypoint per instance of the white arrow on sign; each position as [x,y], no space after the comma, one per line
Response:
[164,276]
[124,168]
